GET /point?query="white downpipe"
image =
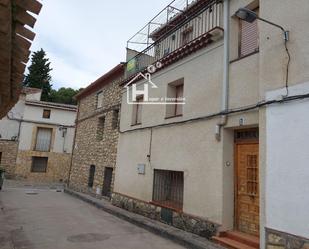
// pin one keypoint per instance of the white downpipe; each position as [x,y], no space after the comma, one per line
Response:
[226,67]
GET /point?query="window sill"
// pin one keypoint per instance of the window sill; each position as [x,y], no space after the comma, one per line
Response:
[135,124]
[244,56]
[175,116]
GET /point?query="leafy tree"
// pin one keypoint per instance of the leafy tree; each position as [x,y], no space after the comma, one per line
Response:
[39,74]
[64,95]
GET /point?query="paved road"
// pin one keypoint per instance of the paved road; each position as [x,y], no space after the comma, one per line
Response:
[43,218]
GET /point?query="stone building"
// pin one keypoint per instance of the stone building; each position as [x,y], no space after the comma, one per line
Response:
[230,155]
[36,138]
[95,147]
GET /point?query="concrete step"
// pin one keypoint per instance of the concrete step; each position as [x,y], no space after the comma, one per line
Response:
[231,243]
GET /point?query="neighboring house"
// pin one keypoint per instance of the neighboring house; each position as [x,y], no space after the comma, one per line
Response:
[234,156]
[95,147]
[16,39]
[36,138]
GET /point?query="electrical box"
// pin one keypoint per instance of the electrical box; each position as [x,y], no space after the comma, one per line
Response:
[141,169]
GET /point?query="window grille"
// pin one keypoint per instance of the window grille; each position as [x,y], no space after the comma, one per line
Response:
[168,188]
[39,164]
[252,175]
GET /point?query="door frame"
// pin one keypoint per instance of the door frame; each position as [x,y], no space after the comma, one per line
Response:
[236,143]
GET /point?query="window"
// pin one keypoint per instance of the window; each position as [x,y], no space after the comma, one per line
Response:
[186,35]
[0,157]
[248,37]
[100,99]
[168,188]
[43,139]
[100,128]
[252,175]
[137,111]
[115,119]
[46,113]
[91,176]
[39,164]
[175,95]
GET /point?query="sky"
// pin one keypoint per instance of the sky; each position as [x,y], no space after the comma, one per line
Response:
[85,39]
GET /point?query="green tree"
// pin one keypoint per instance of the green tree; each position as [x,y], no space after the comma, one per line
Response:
[39,74]
[64,95]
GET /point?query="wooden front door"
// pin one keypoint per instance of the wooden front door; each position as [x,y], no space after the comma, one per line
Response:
[247,187]
[108,175]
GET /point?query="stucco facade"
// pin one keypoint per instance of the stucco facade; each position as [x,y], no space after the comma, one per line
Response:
[188,143]
[97,135]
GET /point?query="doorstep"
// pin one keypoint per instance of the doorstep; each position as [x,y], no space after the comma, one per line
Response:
[237,240]
[181,237]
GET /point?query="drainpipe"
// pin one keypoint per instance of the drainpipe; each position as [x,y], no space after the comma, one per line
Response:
[226,65]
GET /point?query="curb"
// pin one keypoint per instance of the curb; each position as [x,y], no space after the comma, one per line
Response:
[180,237]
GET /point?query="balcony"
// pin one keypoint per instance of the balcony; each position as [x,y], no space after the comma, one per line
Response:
[184,31]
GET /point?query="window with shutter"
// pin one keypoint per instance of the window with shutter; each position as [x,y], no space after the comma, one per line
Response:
[249,38]
[43,139]
[137,111]
[100,100]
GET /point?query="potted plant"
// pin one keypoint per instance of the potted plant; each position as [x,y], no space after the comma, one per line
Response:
[2,170]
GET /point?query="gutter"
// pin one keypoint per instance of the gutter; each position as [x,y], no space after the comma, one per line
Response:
[226,71]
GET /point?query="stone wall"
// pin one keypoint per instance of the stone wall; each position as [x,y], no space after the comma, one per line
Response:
[280,240]
[180,220]
[8,150]
[57,167]
[91,149]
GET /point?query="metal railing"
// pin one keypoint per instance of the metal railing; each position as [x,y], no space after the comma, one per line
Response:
[192,27]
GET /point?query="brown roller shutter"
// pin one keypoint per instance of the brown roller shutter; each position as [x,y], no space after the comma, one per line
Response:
[248,37]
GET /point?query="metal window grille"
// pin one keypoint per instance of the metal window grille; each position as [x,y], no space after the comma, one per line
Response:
[43,139]
[168,188]
[137,111]
[39,164]
[252,175]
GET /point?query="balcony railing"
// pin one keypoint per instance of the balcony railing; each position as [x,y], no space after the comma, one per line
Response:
[171,37]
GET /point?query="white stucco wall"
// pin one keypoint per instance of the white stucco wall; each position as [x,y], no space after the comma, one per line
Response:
[9,128]
[59,117]
[287,170]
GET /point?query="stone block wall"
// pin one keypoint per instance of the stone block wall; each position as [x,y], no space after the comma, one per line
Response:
[91,149]
[8,150]
[57,167]
[280,240]
[180,220]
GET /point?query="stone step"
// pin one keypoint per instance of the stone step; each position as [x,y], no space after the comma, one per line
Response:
[231,243]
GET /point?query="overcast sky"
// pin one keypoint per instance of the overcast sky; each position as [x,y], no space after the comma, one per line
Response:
[85,39]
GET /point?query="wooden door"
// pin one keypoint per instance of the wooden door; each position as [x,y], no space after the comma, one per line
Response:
[247,188]
[108,175]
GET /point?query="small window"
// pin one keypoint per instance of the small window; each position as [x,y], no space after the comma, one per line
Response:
[186,36]
[115,119]
[39,164]
[91,176]
[137,111]
[100,128]
[46,113]
[175,97]
[248,37]
[168,188]
[100,99]
[252,175]
[43,139]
